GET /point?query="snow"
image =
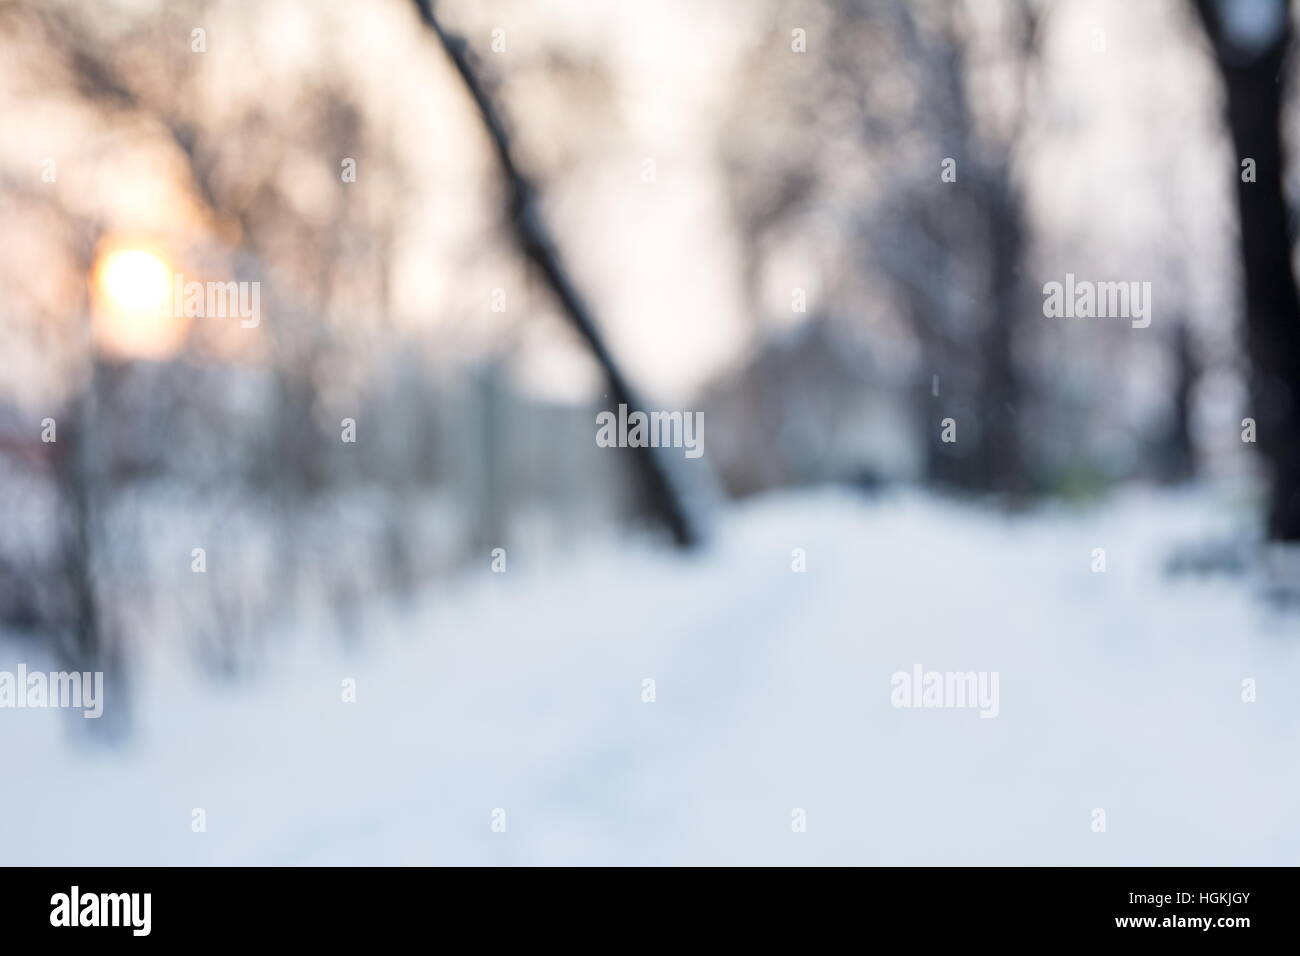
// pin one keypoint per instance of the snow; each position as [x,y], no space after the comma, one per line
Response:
[523,691]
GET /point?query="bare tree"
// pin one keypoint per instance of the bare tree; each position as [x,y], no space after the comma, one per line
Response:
[949,253]
[1251,43]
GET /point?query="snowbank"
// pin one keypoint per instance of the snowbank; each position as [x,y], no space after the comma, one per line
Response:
[523,691]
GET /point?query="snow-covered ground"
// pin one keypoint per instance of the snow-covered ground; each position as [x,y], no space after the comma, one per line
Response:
[523,691]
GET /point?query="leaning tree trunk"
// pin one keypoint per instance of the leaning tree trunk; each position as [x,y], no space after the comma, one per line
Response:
[664,498]
[1252,71]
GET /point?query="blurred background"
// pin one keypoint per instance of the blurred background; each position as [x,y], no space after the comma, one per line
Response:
[826,224]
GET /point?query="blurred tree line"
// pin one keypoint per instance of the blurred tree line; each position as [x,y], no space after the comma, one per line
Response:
[890,161]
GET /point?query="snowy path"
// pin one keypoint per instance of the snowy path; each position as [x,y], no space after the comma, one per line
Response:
[1118,690]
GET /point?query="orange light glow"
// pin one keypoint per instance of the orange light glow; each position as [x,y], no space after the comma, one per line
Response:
[133,305]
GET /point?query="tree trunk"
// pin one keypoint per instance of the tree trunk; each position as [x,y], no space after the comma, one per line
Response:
[663,497]
[1252,72]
